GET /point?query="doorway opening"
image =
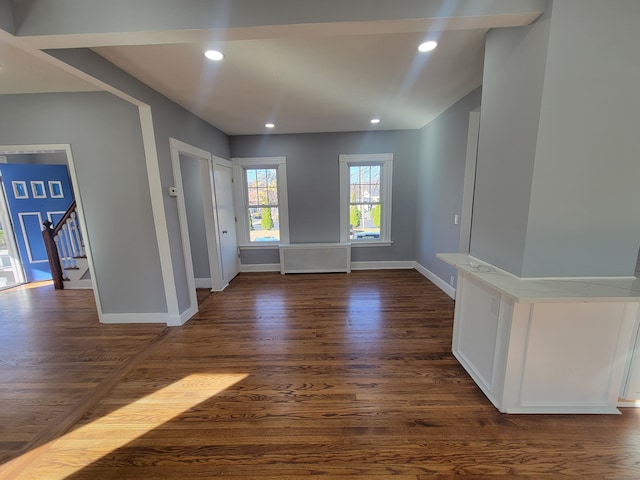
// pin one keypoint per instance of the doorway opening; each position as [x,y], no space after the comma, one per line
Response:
[35,186]
[11,271]
[205,212]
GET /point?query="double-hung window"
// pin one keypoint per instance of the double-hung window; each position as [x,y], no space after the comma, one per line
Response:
[365,198]
[260,186]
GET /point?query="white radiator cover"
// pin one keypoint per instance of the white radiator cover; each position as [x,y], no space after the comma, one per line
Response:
[315,257]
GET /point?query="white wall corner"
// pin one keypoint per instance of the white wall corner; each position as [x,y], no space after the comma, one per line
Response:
[184,317]
[440,283]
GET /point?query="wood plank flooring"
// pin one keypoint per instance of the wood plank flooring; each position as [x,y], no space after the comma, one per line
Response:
[329,376]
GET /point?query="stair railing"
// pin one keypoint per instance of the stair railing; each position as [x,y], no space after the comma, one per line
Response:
[64,244]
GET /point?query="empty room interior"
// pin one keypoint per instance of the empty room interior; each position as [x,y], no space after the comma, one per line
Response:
[340,239]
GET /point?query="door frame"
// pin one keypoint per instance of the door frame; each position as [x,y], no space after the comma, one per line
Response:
[224,163]
[66,148]
[12,246]
[211,222]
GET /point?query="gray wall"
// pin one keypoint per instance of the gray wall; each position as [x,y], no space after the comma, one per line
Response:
[169,120]
[511,96]
[6,17]
[106,144]
[443,148]
[190,169]
[585,200]
[556,188]
[313,186]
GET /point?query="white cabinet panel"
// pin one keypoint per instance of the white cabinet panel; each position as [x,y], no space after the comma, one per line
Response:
[554,357]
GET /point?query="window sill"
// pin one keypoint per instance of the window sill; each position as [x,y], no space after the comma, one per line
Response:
[380,243]
[262,246]
[274,245]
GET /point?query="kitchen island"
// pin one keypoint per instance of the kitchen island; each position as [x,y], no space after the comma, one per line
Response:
[564,345]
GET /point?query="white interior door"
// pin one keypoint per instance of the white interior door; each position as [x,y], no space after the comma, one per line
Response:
[226,221]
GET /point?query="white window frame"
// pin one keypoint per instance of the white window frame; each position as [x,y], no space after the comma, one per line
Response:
[37,189]
[53,192]
[385,160]
[240,165]
[20,191]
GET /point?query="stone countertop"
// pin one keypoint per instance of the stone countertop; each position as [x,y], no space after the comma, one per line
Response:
[545,290]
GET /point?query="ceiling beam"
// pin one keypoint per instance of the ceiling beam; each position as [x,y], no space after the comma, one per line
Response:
[92,23]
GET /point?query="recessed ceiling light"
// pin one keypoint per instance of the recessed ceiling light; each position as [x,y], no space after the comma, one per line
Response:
[214,55]
[375,120]
[427,46]
[269,125]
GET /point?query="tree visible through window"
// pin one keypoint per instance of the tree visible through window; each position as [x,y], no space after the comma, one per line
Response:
[262,203]
[365,198]
[260,197]
[364,192]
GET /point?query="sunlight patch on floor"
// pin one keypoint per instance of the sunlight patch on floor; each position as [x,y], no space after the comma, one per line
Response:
[29,286]
[85,445]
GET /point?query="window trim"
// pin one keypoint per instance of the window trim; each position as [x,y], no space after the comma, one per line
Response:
[385,160]
[240,192]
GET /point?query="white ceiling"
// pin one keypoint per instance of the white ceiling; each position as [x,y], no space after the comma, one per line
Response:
[304,78]
[316,84]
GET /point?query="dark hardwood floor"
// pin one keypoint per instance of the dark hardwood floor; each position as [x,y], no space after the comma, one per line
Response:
[335,376]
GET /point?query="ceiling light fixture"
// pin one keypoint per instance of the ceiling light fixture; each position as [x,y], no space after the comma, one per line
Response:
[375,121]
[214,55]
[427,46]
[269,125]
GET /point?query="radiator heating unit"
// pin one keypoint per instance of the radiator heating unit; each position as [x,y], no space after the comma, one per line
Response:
[315,258]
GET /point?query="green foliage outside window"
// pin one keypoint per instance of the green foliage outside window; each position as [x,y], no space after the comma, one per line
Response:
[355,217]
[267,220]
[375,214]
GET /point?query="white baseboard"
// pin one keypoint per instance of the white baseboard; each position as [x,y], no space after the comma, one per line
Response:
[629,403]
[441,284]
[203,282]
[260,267]
[184,316]
[140,318]
[388,265]
[220,289]
[169,320]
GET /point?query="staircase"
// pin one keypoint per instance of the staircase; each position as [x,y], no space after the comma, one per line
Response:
[66,252]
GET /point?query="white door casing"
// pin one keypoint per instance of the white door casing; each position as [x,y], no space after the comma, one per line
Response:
[222,174]
[214,235]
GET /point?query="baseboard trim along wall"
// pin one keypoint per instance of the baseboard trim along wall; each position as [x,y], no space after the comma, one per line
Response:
[441,284]
[260,267]
[165,318]
[172,320]
[389,265]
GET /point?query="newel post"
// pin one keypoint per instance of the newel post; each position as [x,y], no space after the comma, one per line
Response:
[52,255]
